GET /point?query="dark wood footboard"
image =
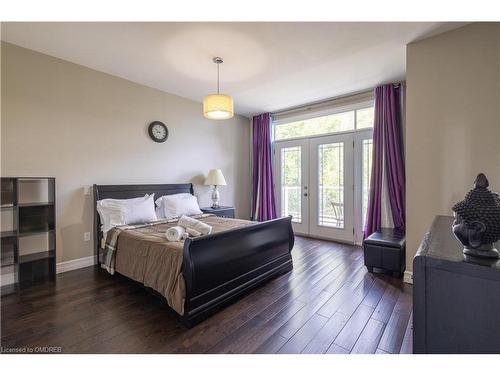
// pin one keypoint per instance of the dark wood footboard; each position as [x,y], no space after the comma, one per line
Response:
[221,266]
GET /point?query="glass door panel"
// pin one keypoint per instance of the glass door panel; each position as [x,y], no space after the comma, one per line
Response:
[291,183]
[366,169]
[331,187]
[362,167]
[291,172]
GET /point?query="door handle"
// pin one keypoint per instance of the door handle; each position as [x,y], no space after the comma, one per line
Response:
[305,194]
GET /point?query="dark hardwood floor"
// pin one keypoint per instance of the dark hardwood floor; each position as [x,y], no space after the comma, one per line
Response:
[327,304]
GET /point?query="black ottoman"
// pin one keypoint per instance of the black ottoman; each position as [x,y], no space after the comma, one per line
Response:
[386,249]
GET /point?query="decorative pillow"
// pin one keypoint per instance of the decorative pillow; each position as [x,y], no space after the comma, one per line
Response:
[176,205]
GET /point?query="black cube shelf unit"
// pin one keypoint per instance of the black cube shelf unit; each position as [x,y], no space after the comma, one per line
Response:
[28,247]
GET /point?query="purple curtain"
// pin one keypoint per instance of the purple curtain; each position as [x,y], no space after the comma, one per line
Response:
[263,202]
[388,157]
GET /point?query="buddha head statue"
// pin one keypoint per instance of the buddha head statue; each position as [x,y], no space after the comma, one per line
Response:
[477,220]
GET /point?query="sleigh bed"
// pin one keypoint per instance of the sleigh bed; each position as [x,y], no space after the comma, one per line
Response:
[215,268]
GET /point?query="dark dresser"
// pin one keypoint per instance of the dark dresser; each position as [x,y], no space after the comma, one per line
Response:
[456,300]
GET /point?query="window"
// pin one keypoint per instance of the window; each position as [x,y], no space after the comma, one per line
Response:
[320,125]
[335,123]
[364,118]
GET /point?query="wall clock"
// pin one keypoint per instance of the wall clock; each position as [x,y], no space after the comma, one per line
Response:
[158,131]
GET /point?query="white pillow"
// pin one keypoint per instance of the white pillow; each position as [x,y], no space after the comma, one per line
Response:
[111,212]
[160,210]
[139,212]
[176,205]
[110,217]
[115,212]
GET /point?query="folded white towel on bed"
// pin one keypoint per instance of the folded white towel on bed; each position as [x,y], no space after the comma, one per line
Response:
[176,234]
[193,232]
[190,223]
[179,233]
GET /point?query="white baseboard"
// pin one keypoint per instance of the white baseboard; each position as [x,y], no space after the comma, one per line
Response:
[408,277]
[74,264]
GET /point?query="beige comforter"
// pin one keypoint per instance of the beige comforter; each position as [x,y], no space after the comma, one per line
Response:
[144,255]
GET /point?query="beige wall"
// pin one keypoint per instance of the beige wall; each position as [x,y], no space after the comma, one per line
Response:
[453,122]
[84,127]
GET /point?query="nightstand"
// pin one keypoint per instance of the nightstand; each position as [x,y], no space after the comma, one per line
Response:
[222,211]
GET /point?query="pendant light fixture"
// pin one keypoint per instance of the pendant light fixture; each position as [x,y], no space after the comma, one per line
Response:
[218,106]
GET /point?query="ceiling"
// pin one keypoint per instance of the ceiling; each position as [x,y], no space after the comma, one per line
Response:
[267,66]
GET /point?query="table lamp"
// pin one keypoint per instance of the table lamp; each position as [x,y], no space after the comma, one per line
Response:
[215,178]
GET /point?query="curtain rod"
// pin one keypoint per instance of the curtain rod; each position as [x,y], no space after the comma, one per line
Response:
[309,106]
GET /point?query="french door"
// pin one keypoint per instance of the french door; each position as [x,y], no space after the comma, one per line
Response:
[323,182]
[331,181]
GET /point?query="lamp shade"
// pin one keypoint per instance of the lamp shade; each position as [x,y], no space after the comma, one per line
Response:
[215,177]
[218,107]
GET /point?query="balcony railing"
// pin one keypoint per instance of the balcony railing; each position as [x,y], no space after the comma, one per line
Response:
[331,212]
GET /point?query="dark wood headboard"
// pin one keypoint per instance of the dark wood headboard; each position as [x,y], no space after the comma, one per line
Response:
[126,192]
